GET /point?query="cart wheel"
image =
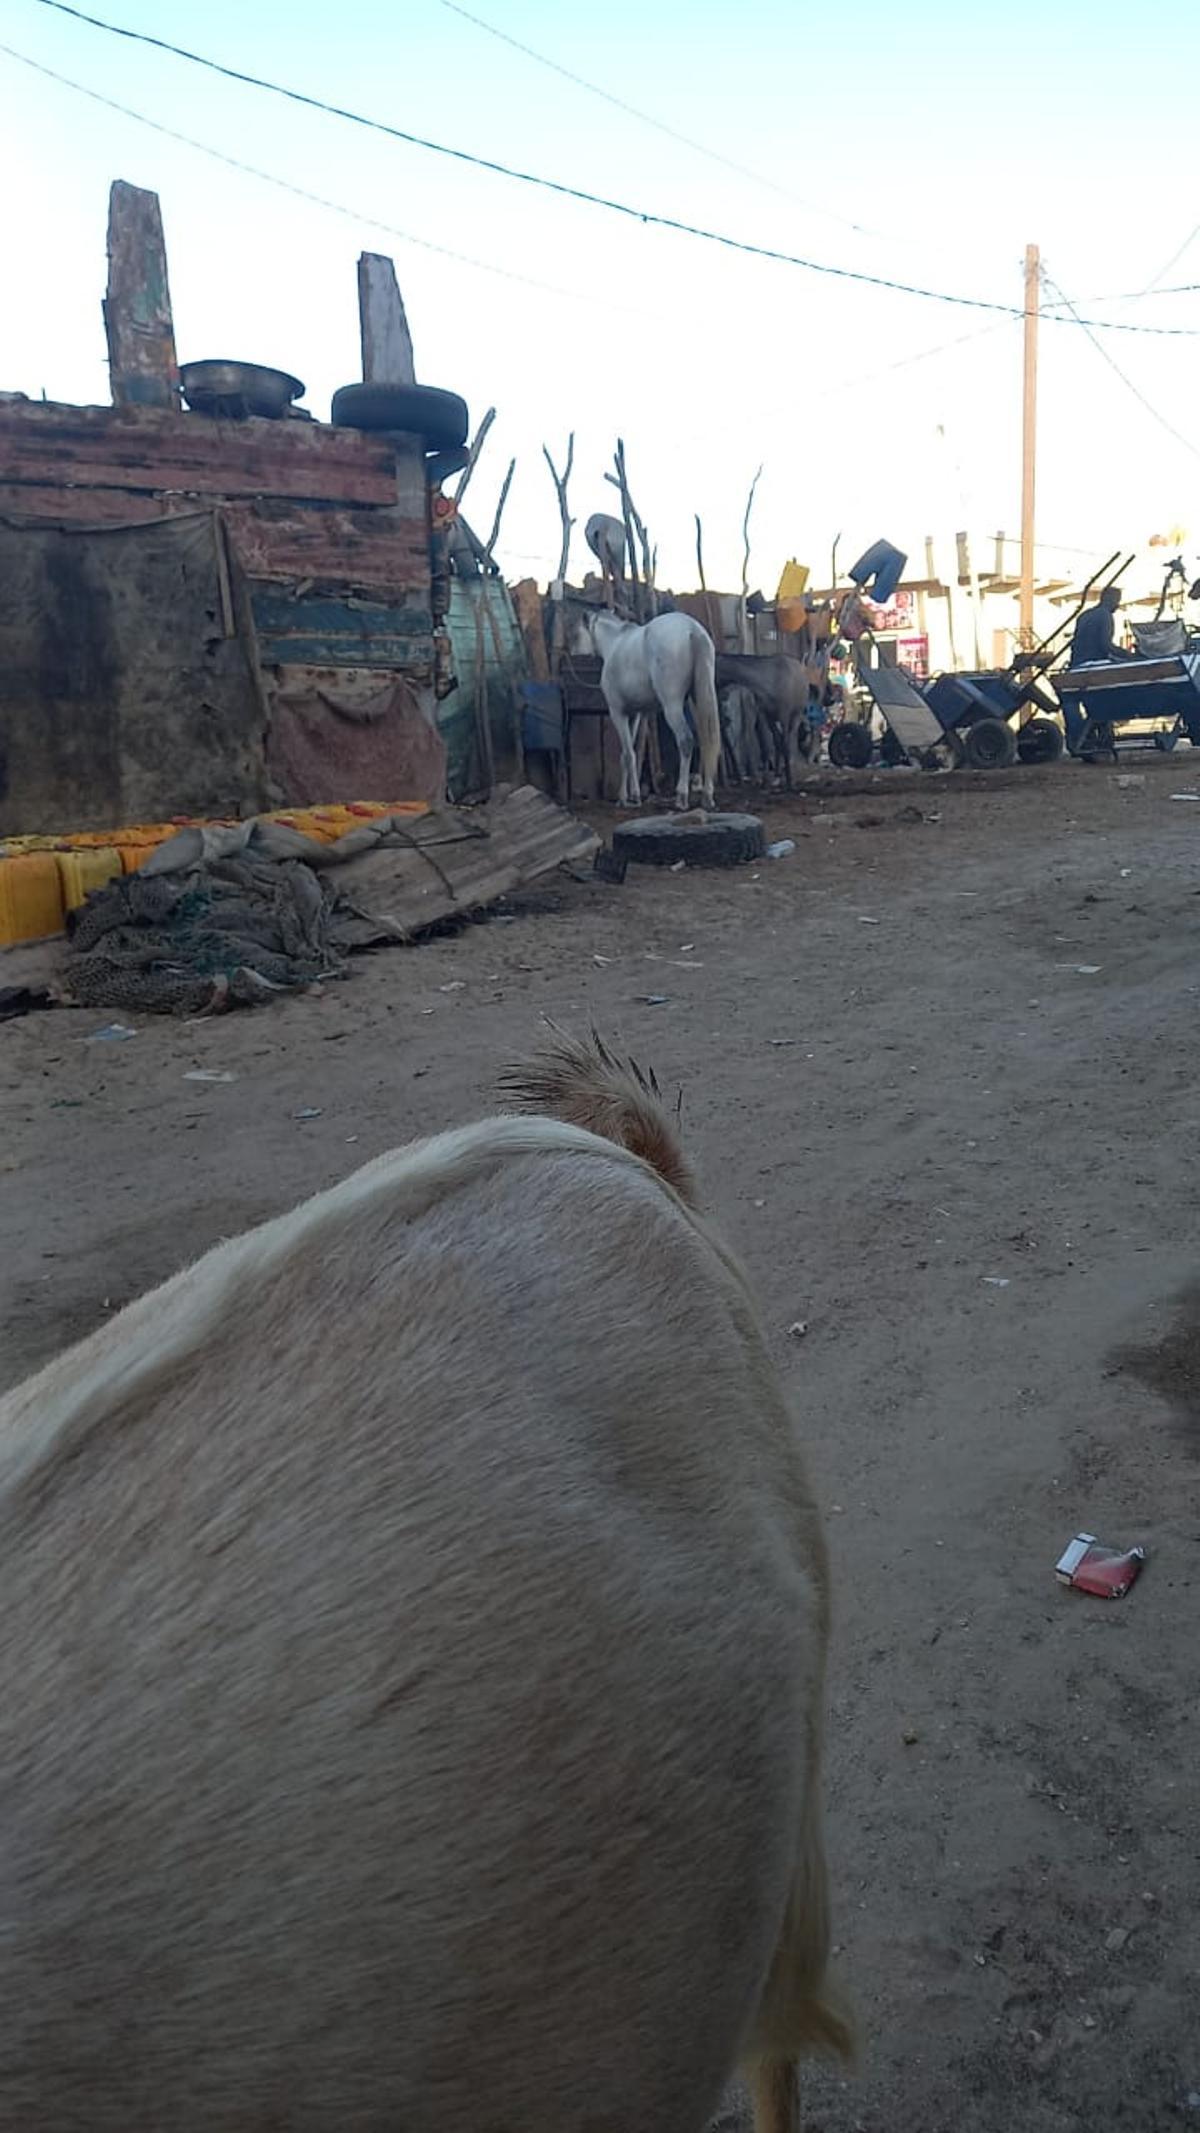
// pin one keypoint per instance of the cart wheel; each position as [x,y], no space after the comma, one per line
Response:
[891,751]
[1096,741]
[990,744]
[849,746]
[1041,741]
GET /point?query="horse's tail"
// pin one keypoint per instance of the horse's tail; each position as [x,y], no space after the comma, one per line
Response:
[704,705]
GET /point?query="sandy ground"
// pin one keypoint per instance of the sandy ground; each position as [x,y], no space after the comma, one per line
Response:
[940,1074]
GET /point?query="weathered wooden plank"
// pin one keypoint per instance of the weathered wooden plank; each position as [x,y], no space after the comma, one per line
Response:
[367,550]
[318,631]
[387,349]
[376,551]
[472,860]
[137,308]
[63,506]
[152,450]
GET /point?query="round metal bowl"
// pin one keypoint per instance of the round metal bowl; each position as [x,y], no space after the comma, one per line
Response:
[236,390]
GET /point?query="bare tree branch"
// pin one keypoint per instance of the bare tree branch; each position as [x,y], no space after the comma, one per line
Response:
[712,609]
[634,520]
[743,630]
[473,454]
[495,532]
[560,487]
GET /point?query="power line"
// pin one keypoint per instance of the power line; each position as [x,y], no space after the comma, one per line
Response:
[575,192]
[922,355]
[1128,383]
[1152,286]
[646,118]
[301,192]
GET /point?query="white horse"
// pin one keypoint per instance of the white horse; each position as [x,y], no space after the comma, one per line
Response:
[653,664]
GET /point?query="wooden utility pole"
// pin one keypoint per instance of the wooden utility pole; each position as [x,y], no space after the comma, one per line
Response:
[1033,281]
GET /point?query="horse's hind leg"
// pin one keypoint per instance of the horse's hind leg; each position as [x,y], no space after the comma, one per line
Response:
[631,791]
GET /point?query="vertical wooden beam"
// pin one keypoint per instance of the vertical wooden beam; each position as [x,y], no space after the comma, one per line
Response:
[1033,277]
[137,307]
[387,349]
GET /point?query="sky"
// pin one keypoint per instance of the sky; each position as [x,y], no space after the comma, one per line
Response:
[927,144]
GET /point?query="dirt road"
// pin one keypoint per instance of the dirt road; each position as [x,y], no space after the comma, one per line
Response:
[940,1073]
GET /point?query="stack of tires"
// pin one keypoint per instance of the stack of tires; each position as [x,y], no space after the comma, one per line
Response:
[438,418]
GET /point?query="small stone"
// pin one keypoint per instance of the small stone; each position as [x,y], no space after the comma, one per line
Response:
[798,1329]
[1115,1941]
[910,1736]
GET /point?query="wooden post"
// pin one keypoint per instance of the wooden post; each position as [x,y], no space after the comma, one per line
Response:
[137,307]
[1033,276]
[527,603]
[387,349]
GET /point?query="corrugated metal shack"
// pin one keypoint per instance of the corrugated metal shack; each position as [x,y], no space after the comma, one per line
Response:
[206,616]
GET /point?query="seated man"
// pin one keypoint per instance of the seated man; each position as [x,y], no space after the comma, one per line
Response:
[1093,639]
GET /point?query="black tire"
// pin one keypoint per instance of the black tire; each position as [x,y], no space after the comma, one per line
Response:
[990,744]
[849,746]
[439,466]
[1041,741]
[420,410]
[1096,743]
[721,840]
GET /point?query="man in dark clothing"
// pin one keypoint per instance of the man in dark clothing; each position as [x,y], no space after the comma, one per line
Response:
[1093,639]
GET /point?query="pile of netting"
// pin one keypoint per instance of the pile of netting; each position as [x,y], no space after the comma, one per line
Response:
[228,933]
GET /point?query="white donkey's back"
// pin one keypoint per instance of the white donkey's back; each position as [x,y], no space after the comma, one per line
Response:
[414,1620]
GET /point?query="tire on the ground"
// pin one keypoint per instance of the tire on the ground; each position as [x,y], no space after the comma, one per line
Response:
[1041,741]
[721,840]
[421,410]
[989,744]
[849,746]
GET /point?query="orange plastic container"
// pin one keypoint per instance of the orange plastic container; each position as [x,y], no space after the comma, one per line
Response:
[31,901]
[81,871]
